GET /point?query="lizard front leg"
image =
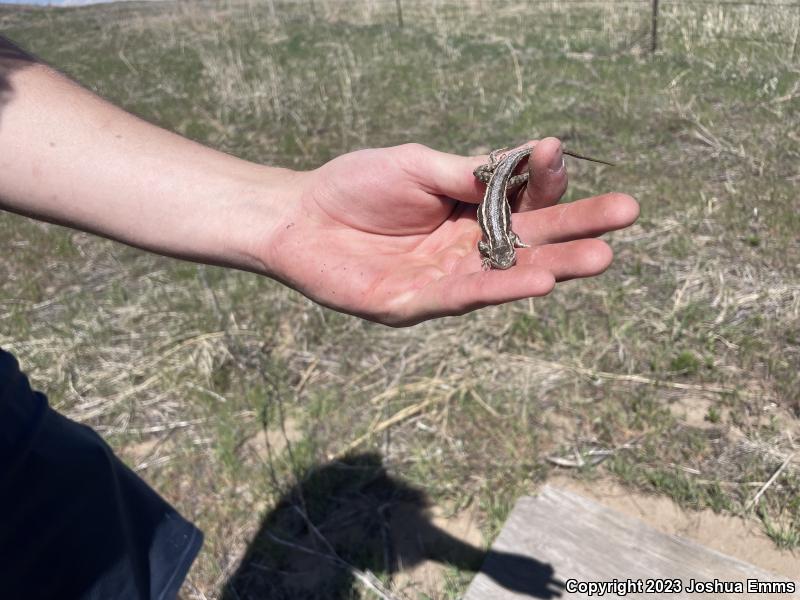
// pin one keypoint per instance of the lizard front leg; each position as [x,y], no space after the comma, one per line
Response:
[515,239]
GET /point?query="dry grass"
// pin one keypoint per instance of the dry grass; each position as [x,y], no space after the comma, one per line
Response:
[677,371]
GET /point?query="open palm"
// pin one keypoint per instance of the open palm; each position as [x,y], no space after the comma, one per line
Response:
[391,234]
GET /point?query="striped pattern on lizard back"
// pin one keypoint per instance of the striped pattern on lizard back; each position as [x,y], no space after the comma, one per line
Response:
[497,248]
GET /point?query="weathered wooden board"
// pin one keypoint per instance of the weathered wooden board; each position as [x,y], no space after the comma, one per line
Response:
[559,537]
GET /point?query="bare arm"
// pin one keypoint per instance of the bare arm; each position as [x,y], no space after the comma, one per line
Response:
[69,157]
[386,234]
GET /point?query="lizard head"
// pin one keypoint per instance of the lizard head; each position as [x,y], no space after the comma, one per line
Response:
[501,257]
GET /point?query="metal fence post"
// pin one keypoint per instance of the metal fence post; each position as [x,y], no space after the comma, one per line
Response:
[399,14]
[654,29]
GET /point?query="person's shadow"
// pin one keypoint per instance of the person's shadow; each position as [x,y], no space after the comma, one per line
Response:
[351,515]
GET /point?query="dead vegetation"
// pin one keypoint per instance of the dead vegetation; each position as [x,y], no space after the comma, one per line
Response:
[258,413]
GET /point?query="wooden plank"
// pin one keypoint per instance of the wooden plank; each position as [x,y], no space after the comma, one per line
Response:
[559,537]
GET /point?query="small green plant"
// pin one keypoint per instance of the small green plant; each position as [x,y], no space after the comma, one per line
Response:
[785,534]
[685,363]
[753,240]
[456,582]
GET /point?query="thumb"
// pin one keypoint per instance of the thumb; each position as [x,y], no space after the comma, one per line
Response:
[443,174]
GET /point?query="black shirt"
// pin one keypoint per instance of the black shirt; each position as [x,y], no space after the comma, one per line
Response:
[75,522]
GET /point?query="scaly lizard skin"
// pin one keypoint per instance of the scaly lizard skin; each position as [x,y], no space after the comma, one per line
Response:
[497,248]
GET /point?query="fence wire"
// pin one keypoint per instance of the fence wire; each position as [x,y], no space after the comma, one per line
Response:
[649,25]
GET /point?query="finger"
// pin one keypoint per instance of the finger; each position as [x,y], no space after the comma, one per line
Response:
[441,173]
[459,294]
[547,176]
[569,260]
[589,217]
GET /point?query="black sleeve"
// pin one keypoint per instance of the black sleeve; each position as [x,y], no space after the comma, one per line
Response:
[75,522]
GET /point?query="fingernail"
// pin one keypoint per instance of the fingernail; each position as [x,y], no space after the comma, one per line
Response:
[558,161]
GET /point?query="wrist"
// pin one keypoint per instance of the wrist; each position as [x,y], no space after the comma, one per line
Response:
[245,226]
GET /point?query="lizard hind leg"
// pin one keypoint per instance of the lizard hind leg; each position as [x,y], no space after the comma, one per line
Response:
[484,172]
[495,156]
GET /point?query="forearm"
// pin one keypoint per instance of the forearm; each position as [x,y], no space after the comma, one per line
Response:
[69,157]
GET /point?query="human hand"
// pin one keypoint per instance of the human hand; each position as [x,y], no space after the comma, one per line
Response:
[388,234]
[391,234]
